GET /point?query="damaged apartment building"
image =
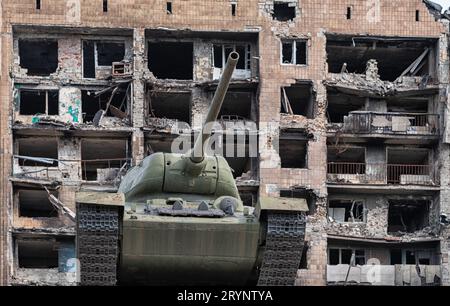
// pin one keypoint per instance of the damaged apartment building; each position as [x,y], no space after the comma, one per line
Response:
[350,99]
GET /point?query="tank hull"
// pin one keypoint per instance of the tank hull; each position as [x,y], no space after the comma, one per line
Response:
[189,250]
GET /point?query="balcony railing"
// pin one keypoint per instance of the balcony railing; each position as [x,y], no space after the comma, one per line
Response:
[396,174]
[392,123]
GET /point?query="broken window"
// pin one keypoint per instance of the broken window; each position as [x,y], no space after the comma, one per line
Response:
[337,256]
[408,166]
[35,203]
[395,56]
[98,53]
[39,57]
[38,4]
[221,53]
[171,60]
[346,160]
[237,105]
[283,11]
[340,105]
[33,102]
[407,215]
[233,9]
[293,52]
[113,103]
[103,159]
[171,105]
[293,150]
[346,211]
[37,254]
[105,6]
[298,99]
[38,151]
[169,7]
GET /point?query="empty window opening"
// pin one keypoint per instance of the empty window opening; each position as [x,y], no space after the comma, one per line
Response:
[92,104]
[169,7]
[417,15]
[298,99]
[109,52]
[396,257]
[171,60]
[237,105]
[344,256]
[407,215]
[102,159]
[221,53]
[283,11]
[239,165]
[408,166]
[293,151]
[346,211]
[89,59]
[349,12]
[235,150]
[38,4]
[37,254]
[33,102]
[293,52]
[233,9]
[39,57]
[105,6]
[45,148]
[34,203]
[346,160]
[175,106]
[340,105]
[97,54]
[395,57]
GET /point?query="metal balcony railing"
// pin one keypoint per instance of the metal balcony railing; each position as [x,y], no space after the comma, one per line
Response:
[396,174]
[392,123]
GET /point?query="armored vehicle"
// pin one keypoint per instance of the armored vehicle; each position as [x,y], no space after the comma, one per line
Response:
[179,219]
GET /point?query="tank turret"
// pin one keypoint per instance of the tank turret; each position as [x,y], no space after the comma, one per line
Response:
[192,173]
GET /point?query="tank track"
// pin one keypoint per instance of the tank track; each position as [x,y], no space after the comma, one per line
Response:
[98,244]
[283,249]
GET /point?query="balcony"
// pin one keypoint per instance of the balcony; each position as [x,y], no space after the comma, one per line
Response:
[414,124]
[384,275]
[381,173]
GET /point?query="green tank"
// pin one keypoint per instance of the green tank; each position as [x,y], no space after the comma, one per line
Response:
[179,219]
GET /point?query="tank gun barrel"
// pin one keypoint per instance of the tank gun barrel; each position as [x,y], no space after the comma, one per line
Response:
[197,154]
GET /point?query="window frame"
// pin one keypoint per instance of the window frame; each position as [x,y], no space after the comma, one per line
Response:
[46,92]
[247,47]
[294,51]
[353,254]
